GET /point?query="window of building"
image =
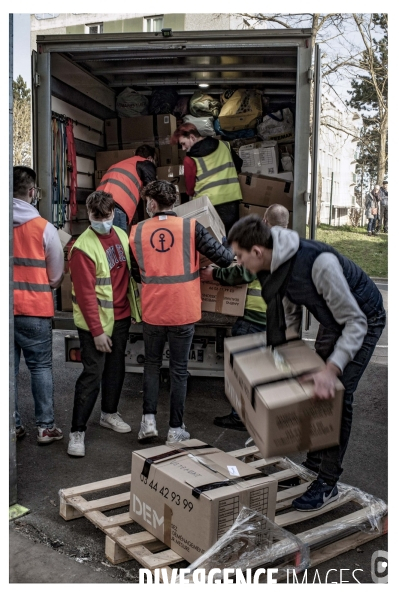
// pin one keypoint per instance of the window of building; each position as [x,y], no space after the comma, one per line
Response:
[152,24]
[94,28]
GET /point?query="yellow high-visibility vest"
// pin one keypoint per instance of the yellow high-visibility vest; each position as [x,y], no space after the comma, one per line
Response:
[217,176]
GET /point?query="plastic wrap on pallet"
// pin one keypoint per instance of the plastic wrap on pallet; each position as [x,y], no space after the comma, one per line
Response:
[253,542]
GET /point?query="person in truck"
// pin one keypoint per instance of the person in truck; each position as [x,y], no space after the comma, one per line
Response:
[124,180]
[297,272]
[210,168]
[165,260]
[104,300]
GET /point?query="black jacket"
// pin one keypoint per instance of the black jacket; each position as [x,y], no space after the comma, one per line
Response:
[207,146]
[146,171]
[205,244]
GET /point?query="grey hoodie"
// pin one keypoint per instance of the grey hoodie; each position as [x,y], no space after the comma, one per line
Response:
[23,212]
[330,282]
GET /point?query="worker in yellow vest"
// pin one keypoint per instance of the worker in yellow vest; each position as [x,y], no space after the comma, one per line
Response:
[210,168]
[165,259]
[38,269]
[254,318]
[104,299]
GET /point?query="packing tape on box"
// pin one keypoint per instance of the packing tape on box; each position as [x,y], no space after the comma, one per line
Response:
[169,455]
[196,492]
[167,524]
[240,352]
[289,377]
[219,300]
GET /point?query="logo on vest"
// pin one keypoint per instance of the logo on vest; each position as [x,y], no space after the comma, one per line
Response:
[162,240]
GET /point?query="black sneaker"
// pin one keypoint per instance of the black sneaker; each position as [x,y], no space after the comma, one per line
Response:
[20,432]
[229,421]
[317,496]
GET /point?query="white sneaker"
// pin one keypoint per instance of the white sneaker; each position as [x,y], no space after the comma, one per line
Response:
[76,445]
[175,435]
[114,422]
[148,427]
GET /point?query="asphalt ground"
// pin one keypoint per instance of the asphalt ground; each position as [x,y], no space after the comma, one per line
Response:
[46,549]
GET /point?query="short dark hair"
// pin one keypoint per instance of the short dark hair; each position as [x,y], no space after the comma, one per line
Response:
[385,182]
[100,203]
[163,192]
[23,179]
[145,151]
[250,231]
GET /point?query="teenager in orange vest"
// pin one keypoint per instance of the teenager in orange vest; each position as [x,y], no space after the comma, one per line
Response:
[125,179]
[38,268]
[165,259]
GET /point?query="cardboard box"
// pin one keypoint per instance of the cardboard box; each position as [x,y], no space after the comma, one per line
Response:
[203,211]
[64,237]
[181,155]
[278,411]
[168,154]
[127,130]
[246,209]
[175,497]
[263,191]
[106,159]
[260,158]
[174,174]
[66,293]
[223,300]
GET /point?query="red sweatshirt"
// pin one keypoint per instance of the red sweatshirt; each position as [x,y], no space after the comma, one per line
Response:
[83,274]
[190,174]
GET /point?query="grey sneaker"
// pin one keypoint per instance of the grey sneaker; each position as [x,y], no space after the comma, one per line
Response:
[76,445]
[114,422]
[147,429]
[175,435]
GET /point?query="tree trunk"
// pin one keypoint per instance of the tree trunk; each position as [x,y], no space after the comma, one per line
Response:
[382,156]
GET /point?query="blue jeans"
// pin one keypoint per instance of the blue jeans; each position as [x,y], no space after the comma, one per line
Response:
[180,339]
[371,224]
[120,219]
[33,335]
[245,327]
[327,463]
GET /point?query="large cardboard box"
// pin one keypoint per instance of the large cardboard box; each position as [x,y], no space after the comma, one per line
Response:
[168,153]
[263,191]
[246,209]
[127,130]
[66,293]
[174,174]
[106,159]
[223,300]
[260,158]
[203,211]
[189,497]
[277,409]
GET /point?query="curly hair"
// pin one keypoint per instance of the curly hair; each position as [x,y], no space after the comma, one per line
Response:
[100,203]
[163,192]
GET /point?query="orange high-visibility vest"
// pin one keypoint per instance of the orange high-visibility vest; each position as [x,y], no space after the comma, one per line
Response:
[164,248]
[32,291]
[123,182]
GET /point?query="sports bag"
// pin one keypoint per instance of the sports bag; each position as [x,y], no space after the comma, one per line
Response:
[130,103]
[204,105]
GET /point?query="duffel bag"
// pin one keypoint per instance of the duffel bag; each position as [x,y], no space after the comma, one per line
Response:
[242,111]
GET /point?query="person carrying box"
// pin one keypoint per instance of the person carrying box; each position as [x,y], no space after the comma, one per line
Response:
[254,318]
[165,259]
[297,272]
[210,168]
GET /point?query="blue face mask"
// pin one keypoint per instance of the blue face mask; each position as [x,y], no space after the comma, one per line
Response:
[101,227]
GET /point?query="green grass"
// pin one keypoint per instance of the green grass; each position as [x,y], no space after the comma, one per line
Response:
[370,253]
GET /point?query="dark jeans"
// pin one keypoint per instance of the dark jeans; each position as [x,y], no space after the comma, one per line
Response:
[229,213]
[245,327]
[100,368]
[371,224]
[120,219]
[384,218]
[327,463]
[179,338]
[33,336]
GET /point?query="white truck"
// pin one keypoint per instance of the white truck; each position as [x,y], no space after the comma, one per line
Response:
[79,76]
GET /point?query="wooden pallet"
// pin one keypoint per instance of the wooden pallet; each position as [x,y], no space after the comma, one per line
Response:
[324,541]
